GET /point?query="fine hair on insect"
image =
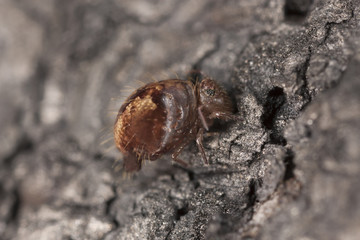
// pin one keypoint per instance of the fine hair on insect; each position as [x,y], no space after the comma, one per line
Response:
[105,136]
[163,117]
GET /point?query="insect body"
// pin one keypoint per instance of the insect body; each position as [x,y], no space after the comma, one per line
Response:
[163,117]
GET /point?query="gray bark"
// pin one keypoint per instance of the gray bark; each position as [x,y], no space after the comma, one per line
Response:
[289,169]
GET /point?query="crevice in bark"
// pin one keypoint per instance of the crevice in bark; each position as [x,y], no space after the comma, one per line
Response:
[301,71]
[275,100]
[289,165]
[108,205]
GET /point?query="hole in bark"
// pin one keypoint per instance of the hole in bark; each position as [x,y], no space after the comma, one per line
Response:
[274,102]
[181,212]
[275,99]
[108,205]
[296,10]
[252,193]
[277,138]
[289,165]
[192,178]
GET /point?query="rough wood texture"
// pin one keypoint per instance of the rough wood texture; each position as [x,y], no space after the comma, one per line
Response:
[289,170]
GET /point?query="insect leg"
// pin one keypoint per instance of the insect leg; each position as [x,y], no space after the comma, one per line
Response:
[199,143]
[224,116]
[176,153]
[131,163]
[202,118]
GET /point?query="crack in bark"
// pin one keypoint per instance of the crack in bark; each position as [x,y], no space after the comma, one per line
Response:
[301,77]
[108,204]
[289,165]
[328,26]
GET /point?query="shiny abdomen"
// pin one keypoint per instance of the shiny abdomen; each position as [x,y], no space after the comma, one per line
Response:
[156,119]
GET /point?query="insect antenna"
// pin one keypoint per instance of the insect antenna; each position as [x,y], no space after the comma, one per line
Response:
[112,113]
[176,75]
[165,75]
[141,82]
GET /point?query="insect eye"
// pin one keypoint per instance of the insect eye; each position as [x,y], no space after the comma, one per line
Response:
[210,92]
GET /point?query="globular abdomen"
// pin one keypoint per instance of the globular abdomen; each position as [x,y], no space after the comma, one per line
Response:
[155,120]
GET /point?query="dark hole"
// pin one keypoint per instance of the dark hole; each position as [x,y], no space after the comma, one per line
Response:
[181,212]
[274,101]
[308,132]
[296,10]
[289,165]
[192,178]
[277,138]
[252,193]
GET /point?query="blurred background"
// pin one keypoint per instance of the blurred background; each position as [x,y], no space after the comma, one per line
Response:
[66,66]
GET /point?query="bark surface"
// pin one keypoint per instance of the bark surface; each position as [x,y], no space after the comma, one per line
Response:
[288,170]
